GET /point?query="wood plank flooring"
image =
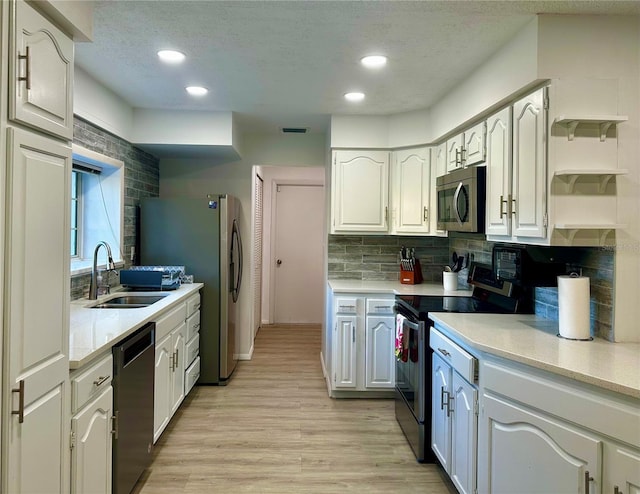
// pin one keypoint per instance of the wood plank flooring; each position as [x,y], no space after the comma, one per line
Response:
[274,429]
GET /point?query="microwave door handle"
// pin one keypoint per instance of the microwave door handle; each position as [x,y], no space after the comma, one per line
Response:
[456,195]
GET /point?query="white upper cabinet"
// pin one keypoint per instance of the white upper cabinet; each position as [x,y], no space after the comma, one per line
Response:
[439,159]
[466,149]
[516,200]
[529,196]
[474,150]
[41,73]
[411,192]
[498,220]
[454,152]
[360,197]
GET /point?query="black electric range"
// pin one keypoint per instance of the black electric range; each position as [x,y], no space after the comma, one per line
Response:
[413,375]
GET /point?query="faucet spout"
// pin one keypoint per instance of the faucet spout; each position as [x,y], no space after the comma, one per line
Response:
[93,286]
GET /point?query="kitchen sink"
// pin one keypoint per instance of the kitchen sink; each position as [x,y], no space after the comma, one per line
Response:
[129,301]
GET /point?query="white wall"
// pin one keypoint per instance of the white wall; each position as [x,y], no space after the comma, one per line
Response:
[100,106]
[360,131]
[179,177]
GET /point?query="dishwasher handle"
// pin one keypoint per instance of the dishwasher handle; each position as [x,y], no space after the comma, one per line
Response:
[134,346]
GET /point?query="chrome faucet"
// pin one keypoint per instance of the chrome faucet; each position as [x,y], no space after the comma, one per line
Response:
[93,287]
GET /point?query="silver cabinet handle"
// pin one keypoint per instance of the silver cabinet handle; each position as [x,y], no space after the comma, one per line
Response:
[463,155]
[442,401]
[502,203]
[616,490]
[425,214]
[513,204]
[386,214]
[176,359]
[101,380]
[587,480]
[386,307]
[171,361]
[444,352]
[450,408]
[458,157]
[20,411]
[27,77]
[196,326]
[114,425]
[353,333]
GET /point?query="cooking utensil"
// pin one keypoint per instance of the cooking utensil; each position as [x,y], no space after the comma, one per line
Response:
[459,264]
[447,269]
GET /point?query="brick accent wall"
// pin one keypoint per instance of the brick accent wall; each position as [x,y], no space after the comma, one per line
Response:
[141,179]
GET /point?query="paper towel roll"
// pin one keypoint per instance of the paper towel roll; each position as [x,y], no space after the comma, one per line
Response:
[573,307]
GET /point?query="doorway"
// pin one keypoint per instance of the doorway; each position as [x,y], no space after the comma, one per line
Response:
[297,260]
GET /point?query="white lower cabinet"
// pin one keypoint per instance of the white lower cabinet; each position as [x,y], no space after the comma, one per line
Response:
[528,451]
[92,427]
[454,420]
[363,340]
[169,384]
[622,470]
[91,449]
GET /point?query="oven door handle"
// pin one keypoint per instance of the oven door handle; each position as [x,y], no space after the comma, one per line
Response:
[411,324]
[456,196]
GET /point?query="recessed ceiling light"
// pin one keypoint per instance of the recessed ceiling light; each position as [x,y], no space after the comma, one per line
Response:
[374,61]
[197,90]
[171,56]
[354,96]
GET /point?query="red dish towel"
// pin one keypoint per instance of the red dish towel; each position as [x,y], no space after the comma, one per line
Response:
[402,339]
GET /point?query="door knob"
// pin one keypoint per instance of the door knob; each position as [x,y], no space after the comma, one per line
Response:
[278,262]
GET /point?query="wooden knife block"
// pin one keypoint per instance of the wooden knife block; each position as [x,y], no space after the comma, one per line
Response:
[411,277]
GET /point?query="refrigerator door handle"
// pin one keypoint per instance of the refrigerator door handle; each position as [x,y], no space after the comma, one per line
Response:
[235,279]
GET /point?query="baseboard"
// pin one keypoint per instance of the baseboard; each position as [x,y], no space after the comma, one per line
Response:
[246,356]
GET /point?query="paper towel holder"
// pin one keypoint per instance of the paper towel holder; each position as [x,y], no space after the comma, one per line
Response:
[575,274]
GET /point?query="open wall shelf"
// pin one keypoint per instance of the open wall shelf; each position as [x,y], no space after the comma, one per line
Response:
[604,121]
[571,229]
[571,176]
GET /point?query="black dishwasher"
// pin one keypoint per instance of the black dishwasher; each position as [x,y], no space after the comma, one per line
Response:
[133,376]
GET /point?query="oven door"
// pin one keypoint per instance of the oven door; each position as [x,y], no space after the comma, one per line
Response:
[411,365]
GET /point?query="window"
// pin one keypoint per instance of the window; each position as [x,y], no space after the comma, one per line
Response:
[97,191]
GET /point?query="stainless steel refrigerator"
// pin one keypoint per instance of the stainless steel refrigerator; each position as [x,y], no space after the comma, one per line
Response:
[203,235]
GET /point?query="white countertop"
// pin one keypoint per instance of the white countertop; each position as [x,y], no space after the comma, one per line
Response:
[394,288]
[94,331]
[532,340]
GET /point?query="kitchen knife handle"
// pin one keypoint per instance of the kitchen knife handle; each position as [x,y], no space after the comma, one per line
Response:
[20,411]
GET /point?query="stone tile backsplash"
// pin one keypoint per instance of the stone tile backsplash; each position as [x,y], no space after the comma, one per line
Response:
[141,179]
[376,258]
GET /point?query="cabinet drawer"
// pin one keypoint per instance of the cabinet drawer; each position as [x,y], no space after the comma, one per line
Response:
[193,325]
[193,304]
[90,382]
[170,320]
[347,305]
[462,362]
[193,349]
[191,375]
[380,306]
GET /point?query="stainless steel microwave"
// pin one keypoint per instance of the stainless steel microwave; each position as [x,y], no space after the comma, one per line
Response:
[461,200]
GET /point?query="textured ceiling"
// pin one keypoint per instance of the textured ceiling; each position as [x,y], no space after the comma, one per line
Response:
[289,63]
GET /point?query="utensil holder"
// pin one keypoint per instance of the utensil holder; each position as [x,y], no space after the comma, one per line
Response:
[414,277]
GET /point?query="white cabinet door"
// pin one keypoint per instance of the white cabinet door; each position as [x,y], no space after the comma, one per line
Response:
[529,166]
[440,412]
[41,66]
[474,144]
[178,344]
[622,471]
[91,453]
[379,356]
[411,191]
[527,452]
[498,218]
[439,159]
[345,353]
[162,385]
[360,195]
[36,314]
[464,435]
[454,153]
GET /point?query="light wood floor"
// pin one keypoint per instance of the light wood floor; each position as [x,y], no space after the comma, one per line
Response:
[274,429]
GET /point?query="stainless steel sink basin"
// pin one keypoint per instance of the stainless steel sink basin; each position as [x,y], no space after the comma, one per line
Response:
[129,301]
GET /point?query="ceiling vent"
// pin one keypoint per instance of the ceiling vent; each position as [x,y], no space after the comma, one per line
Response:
[294,130]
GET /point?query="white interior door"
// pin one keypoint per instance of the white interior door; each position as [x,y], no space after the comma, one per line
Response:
[257,253]
[298,260]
